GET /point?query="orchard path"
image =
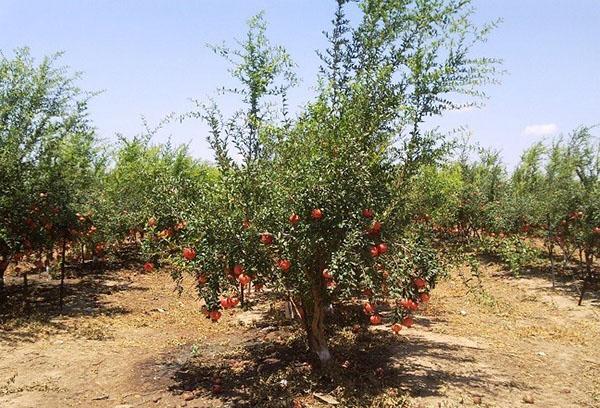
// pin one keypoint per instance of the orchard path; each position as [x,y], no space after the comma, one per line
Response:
[127,340]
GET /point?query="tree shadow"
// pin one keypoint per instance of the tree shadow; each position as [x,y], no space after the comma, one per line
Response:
[36,306]
[568,278]
[274,369]
[567,282]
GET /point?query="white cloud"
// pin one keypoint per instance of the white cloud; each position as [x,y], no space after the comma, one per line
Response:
[545,129]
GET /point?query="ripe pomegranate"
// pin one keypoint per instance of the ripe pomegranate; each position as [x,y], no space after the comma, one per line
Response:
[214,315]
[238,270]
[244,279]
[424,297]
[420,283]
[375,319]
[368,213]
[226,303]
[396,327]
[189,253]
[408,304]
[375,228]
[151,221]
[216,388]
[148,266]
[408,321]
[202,279]
[284,264]
[316,214]
[596,230]
[294,219]
[383,248]
[374,251]
[266,238]
[330,284]
[356,328]
[369,308]
[327,275]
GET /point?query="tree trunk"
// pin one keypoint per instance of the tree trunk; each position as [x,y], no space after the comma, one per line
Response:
[552,268]
[588,276]
[25,292]
[315,322]
[3,267]
[62,273]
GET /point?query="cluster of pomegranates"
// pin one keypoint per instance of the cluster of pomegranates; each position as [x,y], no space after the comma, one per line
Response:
[408,306]
[374,230]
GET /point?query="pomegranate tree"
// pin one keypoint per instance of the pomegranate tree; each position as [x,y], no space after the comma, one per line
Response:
[48,160]
[313,206]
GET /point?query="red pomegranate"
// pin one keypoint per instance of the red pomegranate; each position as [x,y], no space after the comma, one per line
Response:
[214,315]
[266,238]
[244,279]
[375,319]
[202,279]
[284,264]
[189,253]
[375,228]
[420,283]
[316,214]
[238,270]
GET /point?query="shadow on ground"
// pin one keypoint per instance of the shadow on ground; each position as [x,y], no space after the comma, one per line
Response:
[271,367]
[85,287]
[567,279]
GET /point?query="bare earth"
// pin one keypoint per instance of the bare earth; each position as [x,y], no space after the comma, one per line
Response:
[127,340]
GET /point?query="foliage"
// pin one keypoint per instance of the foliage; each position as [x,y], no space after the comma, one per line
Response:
[316,206]
[48,156]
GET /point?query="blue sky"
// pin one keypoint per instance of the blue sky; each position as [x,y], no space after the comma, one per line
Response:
[149,57]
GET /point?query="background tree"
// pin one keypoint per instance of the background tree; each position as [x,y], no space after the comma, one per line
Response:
[47,154]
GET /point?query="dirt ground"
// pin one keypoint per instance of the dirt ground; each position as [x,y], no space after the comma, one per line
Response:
[126,339]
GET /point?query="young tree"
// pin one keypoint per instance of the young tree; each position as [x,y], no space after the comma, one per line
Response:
[316,206]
